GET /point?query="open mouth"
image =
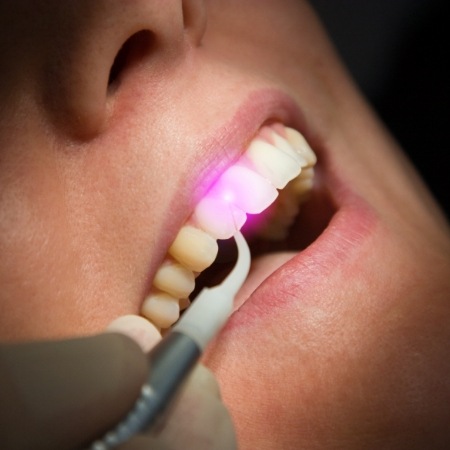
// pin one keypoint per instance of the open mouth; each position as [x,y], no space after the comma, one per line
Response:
[272,193]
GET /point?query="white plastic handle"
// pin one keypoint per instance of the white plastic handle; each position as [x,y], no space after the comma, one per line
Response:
[212,307]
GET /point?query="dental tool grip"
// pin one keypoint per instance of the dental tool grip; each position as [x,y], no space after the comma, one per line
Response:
[170,361]
[173,358]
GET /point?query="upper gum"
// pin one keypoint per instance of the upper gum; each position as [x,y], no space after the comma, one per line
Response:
[264,133]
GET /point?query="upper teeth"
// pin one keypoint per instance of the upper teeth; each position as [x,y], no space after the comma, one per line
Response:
[277,162]
[275,157]
[194,248]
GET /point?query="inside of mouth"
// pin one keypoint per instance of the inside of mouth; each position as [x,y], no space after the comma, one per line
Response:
[274,193]
[310,222]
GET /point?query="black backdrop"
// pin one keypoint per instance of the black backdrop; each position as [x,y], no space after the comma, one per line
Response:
[398,51]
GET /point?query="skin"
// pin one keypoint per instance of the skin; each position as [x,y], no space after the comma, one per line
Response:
[352,353]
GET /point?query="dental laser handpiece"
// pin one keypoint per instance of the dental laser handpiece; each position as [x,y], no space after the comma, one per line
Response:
[173,358]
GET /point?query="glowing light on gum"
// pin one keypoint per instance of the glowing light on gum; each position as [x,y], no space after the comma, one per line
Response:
[245,188]
[238,191]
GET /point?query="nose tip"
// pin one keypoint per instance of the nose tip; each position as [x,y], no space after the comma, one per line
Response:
[89,47]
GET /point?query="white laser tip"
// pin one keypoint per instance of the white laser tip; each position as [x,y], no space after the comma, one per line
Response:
[212,307]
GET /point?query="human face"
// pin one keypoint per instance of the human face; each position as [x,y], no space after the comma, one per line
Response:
[343,344]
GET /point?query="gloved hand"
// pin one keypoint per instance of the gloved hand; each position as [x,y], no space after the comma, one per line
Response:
[65,394]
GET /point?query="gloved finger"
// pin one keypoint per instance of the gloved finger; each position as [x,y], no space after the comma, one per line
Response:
[198,420]
[143,442]
[203,380]
[144,333]
[65,394]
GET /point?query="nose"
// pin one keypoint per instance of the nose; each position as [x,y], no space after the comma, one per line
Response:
[91,46]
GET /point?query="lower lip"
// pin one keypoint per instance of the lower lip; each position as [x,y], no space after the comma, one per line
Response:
[298,278]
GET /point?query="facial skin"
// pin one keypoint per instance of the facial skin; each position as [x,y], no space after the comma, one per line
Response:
[346,345]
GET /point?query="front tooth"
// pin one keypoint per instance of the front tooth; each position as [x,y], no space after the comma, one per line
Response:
[194,248]
[245,188]
[174,279]
[276,164]
[161,308]
[299,143]
[218,217]
[281,142]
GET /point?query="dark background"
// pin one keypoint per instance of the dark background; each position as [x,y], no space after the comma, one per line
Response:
[398,52]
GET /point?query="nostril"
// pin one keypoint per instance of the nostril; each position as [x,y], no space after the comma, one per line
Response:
[132,52]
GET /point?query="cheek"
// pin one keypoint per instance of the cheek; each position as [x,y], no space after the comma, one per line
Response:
[72,240]
[38,258]
[81,229]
